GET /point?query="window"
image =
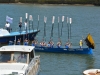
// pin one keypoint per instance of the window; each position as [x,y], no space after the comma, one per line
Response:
[5,56]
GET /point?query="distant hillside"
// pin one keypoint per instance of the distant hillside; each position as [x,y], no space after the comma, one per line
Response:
[94,2]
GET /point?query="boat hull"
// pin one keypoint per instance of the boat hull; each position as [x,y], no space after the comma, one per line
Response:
[91,72]
[17,35]
[65,50]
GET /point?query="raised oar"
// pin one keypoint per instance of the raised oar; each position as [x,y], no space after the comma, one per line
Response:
[68,27]
[45,20]
[26,15]
[70,19]
[62,24]
[30,19]
[59,40]
[53,18]
[58,29]
[38,23]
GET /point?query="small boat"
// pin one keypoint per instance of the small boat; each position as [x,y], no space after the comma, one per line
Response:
[19,60]
[89,41]
[6,36]
[91,72]
[73,50]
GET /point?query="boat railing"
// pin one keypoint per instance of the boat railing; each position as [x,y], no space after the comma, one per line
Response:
[33,66]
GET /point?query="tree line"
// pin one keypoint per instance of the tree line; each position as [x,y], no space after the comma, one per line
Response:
[94,2]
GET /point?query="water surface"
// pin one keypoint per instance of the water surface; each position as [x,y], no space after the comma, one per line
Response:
[85,19]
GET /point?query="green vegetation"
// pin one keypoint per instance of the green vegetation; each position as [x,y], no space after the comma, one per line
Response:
[94,2]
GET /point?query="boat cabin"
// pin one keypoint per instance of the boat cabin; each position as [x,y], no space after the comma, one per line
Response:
[16,54]
[18,60]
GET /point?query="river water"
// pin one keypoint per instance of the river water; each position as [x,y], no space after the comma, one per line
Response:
[85,19]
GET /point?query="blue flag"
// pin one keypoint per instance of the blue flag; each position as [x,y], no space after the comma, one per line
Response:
[9,19]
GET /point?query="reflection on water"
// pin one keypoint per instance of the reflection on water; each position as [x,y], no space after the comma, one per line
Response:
[65,63]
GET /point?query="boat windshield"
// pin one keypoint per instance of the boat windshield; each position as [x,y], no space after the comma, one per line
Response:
[5,56]
[13,57]
[20,57]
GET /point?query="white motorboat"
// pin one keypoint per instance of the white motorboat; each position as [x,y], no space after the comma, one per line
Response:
[18,60]
[91,72]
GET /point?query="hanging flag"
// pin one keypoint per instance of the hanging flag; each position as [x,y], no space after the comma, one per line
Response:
[9,19]
[89,41]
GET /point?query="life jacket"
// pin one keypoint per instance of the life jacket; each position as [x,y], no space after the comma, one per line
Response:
[18,43]
[81,43]
[33,44]
[66,46]
[25,43]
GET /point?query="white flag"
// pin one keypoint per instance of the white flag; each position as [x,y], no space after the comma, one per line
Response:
[9,19]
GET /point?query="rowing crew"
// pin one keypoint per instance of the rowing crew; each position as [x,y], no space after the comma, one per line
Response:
[51,44]
[44,44]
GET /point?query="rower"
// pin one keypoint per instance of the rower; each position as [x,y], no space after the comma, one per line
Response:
[43,43]
[18,42]
[67,45]
[33,43]
[51,43]
[58,44]
[48,44]
[26,42]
